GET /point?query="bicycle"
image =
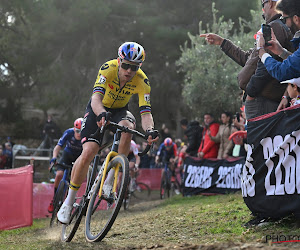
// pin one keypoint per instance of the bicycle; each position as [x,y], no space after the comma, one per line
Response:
[169,184]
[61,192]
[107,207]
[138,190]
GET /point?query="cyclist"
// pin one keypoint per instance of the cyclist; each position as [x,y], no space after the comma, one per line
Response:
[167,154]
[116,82]
[166,150]
[71,138]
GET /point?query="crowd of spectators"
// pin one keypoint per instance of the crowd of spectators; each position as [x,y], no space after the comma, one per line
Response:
[203,141]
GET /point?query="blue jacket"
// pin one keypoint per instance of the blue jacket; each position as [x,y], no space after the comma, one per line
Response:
[289,68]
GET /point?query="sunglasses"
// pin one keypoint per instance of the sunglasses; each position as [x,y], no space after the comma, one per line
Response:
[283,18]
[131,66]
[77,130]
[263,4]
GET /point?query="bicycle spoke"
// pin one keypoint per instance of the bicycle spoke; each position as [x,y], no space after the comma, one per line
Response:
[102,211]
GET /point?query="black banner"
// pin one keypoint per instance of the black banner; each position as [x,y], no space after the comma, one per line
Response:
[212,176]
[271,174]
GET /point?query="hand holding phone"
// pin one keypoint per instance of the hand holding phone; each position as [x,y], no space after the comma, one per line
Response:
[266,30]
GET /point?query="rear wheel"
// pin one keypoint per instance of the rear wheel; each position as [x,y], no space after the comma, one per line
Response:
[98,223]
[58,200]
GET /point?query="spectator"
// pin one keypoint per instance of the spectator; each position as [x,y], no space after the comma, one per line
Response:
[208,148]
[164,133]
[239,124]
[2,158]
[193,133]
[290,67]
[8,139]
[239,120]
[222,136]
[8,153]
[50,132]
[293,90]
[263,92]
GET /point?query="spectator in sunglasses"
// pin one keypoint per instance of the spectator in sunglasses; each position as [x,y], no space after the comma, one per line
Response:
[290,67]
[263,93]
[72,141]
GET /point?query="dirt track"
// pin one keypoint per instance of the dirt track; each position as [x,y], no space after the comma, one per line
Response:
[147,225]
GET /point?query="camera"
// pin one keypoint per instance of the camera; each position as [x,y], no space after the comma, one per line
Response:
[266,30]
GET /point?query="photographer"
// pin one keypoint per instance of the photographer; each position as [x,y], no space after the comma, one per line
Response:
[263,92]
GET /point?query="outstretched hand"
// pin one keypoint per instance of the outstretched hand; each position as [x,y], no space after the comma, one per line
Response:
[213,39]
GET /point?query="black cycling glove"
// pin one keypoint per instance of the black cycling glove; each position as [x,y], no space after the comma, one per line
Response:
[153,132]
[107,116]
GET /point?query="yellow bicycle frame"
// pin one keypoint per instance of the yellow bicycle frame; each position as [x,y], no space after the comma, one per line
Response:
[108,158]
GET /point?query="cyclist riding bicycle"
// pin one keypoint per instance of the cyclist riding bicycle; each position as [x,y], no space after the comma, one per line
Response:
[167,154]
[166,150]
[71,138]
[116,82]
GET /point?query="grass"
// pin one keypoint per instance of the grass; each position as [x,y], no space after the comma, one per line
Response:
[178,221]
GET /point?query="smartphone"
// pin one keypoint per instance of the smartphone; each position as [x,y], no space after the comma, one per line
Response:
[266,30]
[237,115]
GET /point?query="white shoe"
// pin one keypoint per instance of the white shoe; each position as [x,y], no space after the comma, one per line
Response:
[64,213]
[177,191]
[106,190]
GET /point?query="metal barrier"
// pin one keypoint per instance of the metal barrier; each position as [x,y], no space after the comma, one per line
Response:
[21,152]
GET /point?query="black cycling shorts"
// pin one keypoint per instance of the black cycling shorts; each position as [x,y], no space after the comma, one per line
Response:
[89,124]
[66,159]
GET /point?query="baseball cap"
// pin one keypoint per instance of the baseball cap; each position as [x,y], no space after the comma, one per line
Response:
[295,81]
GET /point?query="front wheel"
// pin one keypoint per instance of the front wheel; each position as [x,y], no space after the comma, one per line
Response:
[164,187]
[99,222]
[58,200]
[79,208]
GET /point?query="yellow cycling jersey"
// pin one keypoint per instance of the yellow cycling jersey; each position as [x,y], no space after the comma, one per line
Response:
[108,85]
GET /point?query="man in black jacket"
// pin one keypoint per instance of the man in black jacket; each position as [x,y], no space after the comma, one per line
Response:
[193,133]
[264,93]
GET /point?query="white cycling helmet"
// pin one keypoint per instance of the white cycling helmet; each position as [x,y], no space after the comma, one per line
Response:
[132,52]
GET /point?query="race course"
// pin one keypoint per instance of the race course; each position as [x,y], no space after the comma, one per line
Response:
[199,222]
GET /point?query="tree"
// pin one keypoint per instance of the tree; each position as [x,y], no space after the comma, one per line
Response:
[210,83]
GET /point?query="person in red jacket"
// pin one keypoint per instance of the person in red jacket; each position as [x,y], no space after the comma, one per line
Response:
[208,148]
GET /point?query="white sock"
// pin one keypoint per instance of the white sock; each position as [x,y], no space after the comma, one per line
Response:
[71,197]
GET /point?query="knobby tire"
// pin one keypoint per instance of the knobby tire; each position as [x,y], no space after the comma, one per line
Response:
[96,225]
[58,200]
[77,213]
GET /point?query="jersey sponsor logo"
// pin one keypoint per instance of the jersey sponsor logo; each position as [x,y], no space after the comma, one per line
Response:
[110,86]
[102,79]
[147,82]
[104,66]
[147,98]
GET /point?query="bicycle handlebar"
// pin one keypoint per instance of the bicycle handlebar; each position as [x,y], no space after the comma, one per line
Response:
[61,164]
[123,129]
